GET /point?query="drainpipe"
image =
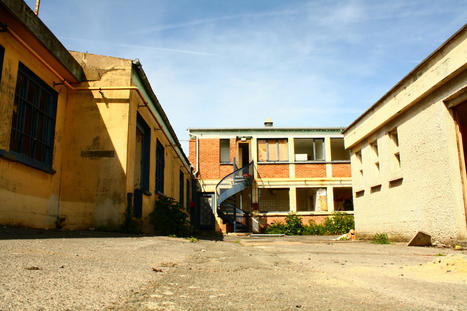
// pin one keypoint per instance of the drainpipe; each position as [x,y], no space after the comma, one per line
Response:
[197,155]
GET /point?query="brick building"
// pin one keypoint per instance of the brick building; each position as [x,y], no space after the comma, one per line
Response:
[251,177]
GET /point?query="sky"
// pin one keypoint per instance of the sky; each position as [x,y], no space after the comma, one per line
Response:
[220,63]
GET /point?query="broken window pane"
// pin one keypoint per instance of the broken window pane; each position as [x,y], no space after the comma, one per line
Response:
[274,200]
[338,152]
[309,149]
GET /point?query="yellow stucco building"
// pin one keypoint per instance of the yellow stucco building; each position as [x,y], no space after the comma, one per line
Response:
[83,139]
[408,152]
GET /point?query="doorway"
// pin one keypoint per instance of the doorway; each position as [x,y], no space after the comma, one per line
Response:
[243,154]
[460,117]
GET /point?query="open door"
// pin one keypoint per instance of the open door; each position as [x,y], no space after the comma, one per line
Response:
[460,117]
[243,154]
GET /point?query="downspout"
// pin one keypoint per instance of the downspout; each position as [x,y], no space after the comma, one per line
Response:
[197,155]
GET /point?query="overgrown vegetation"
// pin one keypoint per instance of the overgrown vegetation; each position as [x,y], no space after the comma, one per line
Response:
[170,218]
[337,223]
[381,238]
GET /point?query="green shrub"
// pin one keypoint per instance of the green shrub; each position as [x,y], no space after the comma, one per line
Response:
[339,223]
[381,238]
[294,224]
[275,228]
[169,217]
[314,229]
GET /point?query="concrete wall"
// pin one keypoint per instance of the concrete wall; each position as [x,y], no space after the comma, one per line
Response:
[29,197]
[425,191]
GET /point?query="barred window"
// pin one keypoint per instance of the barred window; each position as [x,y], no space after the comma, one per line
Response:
[33,121]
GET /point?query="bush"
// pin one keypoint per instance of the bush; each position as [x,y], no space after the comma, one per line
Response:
[294,225]
[275,228]
[314,229]
[170,218]
[339,223]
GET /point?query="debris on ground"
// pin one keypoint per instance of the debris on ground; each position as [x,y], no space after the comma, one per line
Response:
[439,244]
[168,264]
[420,239]
[33,268]
[156,270]
[346,236]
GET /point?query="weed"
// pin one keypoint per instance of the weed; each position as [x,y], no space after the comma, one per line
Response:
[237,241]
[192,239]
[381,238]
[440,254]
[339,223]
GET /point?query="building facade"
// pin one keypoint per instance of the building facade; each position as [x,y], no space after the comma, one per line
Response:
[84,141]
[408,152]
[277,171]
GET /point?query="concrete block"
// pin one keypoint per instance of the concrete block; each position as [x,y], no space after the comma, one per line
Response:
[420,239]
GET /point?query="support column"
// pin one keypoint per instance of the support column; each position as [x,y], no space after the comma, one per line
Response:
[330,198]
[293,199]
[291,157]
[327,150]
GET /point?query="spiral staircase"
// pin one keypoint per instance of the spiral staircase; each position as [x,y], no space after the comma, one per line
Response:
[227,189]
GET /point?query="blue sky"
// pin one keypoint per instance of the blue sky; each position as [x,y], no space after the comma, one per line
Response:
[219,63]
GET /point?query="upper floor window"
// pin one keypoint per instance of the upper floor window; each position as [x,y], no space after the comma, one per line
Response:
[2,51]
[273,150]
[160,165]
[143,141]
[309,149]
[33,121]
[225,150]
[338,152]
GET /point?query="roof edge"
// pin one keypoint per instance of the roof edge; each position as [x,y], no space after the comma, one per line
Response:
[406,77]
[21,11]
[139,70]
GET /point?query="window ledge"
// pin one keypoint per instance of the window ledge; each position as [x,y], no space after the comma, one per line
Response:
[20,158]
[226,163]
[275,162]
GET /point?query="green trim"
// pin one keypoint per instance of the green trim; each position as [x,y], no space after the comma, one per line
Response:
[173,140]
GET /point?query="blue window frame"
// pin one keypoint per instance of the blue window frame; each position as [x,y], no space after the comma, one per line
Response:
[187,194]
[2,52]
[33,120]
[160,165]
[182,193]
[146,141]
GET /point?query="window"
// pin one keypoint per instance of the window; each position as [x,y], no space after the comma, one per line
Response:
[2,51]
[181,193]
[309,149]
[225,150]
[338,152]
[143,141]
[160,164]
[374,147]
[274,200]
[395,146]
[358,156]
[273,150]
[33,121]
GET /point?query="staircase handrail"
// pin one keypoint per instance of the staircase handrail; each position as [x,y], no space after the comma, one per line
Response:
[232,175]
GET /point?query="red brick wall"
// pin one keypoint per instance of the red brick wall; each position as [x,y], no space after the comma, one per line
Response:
[341,170]
[310,170]
[209,158]
[267,220]
[273,170]
[192,152]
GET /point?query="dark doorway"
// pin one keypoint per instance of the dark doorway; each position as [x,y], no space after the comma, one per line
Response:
[460,116]
[244,154]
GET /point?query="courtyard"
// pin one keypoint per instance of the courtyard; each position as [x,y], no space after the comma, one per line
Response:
[59,270]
